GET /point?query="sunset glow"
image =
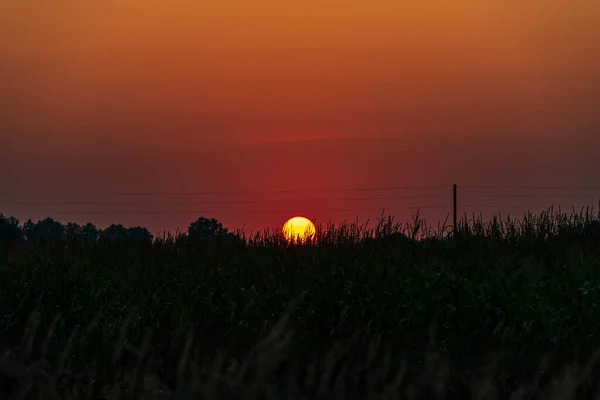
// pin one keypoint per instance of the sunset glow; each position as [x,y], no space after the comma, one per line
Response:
[298,229]
[277,182]
[181,96]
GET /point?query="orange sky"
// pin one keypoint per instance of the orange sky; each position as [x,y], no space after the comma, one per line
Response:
[237,95]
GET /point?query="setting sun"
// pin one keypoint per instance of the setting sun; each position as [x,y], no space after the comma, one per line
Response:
[298,229]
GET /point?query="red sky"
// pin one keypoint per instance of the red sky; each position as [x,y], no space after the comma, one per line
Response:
[99,97]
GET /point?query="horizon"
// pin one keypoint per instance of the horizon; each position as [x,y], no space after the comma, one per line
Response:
[440,227]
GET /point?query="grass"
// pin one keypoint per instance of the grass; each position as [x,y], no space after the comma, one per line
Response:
[507,307]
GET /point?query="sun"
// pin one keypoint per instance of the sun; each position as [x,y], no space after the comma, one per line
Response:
[298,229]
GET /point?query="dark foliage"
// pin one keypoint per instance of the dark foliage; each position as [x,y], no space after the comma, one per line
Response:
[45,232]
[10,232]
[206,231]
[509,293]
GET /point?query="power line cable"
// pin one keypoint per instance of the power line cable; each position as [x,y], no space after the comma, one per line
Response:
[530,196]
[241,192]
[271,201]
[244,211]
[529,187]
[513,206]
[291,191]
[93,203]
[324,190]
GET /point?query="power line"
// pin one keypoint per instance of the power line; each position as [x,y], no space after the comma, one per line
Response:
[244,211]
[515,206]
[447,206]
[325,190]
[297,200]
[93,203]
[270,201]
[241,192]
[530,187]
[547,196]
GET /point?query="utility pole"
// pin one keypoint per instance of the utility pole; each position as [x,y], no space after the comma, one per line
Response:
[454,211]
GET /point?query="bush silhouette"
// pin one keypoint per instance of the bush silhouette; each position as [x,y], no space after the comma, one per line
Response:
[78,235]
[118,234]
[45,232]
[205,230]
[10,232]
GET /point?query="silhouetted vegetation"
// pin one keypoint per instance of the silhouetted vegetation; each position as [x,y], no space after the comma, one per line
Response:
[506,306]
[210,231]
[10,231]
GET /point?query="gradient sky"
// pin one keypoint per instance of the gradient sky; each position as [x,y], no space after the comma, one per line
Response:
[100,97]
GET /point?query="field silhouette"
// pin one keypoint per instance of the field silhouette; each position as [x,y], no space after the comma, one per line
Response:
[494,310]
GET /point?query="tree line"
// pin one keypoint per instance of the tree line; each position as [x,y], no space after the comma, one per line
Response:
[51,232]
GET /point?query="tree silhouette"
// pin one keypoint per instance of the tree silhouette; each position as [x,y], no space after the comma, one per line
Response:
[118,234]
[47,231]
[205,230]
[139,235]
[77,235]
[89,234]
[10,231]
[114,234]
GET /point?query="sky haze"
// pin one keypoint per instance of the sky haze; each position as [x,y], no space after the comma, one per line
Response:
[103,97]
